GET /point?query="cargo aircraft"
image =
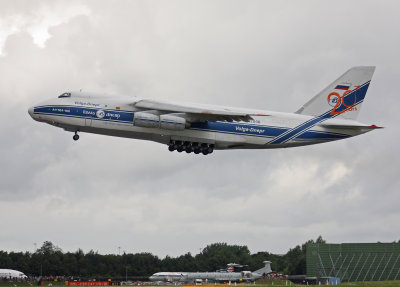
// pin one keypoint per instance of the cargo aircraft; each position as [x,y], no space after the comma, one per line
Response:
[328,116]
[246,276]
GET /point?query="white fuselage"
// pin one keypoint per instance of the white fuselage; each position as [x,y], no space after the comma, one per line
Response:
[205,276]
[212,276]
[115,117]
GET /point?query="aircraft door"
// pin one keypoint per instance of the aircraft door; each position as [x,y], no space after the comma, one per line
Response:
[88,114]
[88,122]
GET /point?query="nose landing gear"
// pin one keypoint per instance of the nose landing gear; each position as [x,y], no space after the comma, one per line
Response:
[76,136]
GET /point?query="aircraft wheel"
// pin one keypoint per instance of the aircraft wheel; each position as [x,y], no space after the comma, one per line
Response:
[176,144]
[75,137]
[205,152]
[171,148]
[180,148]
[196,150]
[188,149]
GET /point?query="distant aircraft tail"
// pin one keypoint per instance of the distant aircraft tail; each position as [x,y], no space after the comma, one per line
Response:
[266,269]
[343,98]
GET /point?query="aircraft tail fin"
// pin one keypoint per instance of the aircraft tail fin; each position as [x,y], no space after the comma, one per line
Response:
[266,269]
[342,98]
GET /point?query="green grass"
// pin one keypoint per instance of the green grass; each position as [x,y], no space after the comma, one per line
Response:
[373,283]
[348,284]
[25,284]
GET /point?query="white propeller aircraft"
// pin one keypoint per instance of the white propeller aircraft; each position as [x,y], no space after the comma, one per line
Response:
[330,115]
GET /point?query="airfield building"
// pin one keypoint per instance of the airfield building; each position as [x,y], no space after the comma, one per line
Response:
[354,261]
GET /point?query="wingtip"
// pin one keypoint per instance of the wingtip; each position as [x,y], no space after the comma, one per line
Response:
[376,127]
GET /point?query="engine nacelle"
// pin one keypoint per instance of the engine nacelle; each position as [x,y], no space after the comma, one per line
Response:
[172,123]
[167,122]
[146,120]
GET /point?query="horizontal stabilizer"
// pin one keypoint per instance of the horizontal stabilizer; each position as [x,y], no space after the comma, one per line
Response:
[349,127]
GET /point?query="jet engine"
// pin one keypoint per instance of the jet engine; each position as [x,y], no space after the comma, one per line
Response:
[167,122]
[146,120]
[246,274]
[172,123]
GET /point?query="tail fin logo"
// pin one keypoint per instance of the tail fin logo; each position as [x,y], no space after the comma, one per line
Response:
[333,99]
[336,101]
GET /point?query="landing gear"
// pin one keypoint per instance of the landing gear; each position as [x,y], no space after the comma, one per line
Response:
[190,147]
[206,149]
[76,136]
[196,148]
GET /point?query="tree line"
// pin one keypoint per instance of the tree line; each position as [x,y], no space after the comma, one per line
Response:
[50,260]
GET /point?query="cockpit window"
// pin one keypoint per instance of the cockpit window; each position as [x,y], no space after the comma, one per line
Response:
[65,95]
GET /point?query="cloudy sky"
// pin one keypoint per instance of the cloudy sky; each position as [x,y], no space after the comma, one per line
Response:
[102,193]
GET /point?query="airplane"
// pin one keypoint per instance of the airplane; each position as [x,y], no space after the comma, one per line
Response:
[199,128]
[12,274]
[246,276]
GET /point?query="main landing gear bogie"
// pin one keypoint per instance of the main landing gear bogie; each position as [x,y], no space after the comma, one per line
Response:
[190,147]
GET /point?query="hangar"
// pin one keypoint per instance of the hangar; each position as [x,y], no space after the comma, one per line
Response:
[354,261]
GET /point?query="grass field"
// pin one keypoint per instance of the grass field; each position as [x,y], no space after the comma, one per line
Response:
[267,283]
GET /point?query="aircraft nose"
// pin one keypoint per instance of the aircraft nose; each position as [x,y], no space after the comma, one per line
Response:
[30,111]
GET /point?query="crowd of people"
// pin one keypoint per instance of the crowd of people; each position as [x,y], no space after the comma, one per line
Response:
[37,279]
[276,276]
[13,279]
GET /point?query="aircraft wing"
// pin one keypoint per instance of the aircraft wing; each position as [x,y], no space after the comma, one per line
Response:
[194,112]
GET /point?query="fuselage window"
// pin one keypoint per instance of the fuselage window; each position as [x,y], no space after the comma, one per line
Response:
[65,95]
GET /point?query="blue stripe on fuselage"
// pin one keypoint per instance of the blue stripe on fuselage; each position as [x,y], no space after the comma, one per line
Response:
[262,131]
[237,128]
[86,112]
[318,135]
